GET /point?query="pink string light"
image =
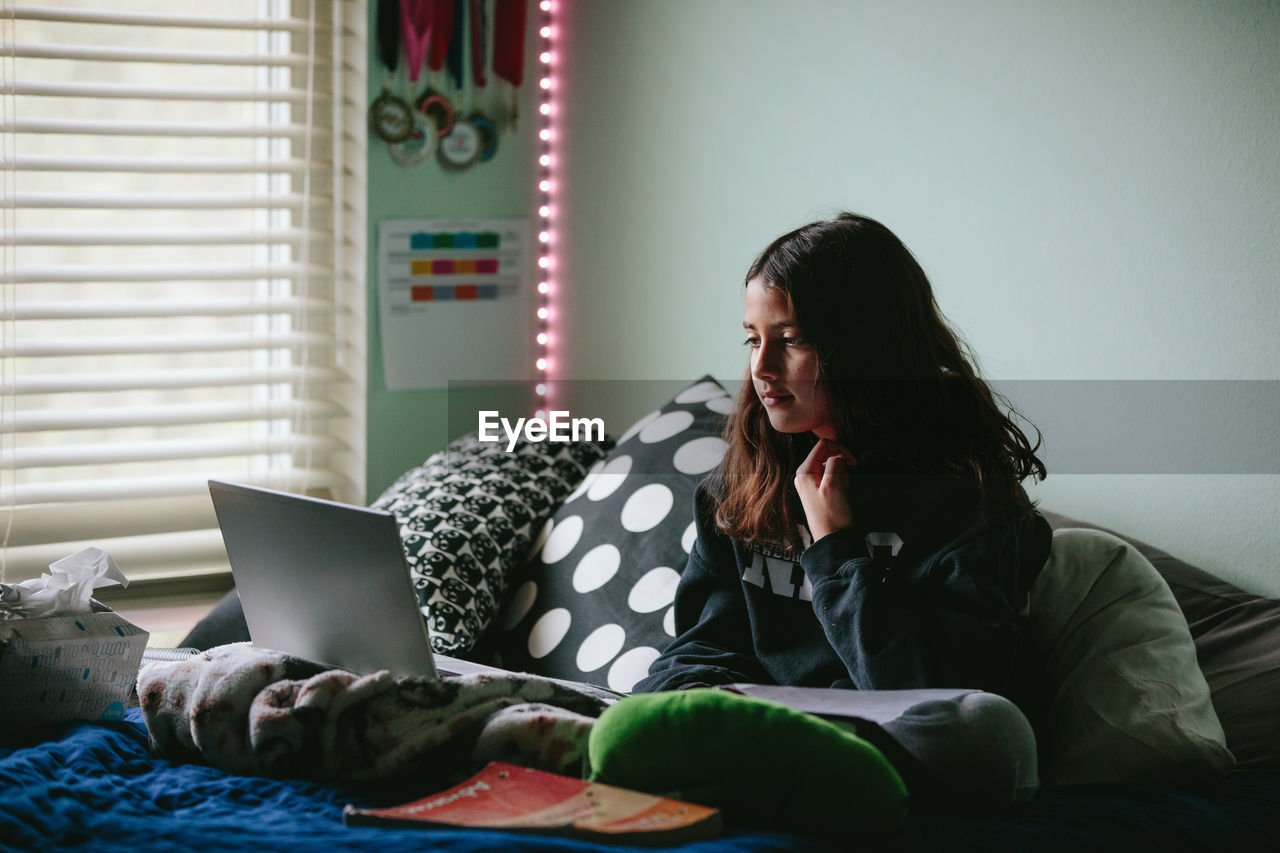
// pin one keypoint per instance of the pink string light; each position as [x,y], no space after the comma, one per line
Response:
[547,33]
[546,206]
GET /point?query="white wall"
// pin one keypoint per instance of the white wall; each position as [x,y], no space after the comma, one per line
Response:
[1093,187]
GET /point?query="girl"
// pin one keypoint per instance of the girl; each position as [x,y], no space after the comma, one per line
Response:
[867,527]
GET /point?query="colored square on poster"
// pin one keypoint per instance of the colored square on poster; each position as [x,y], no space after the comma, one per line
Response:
[422,293]
[442,240]
[466,266]
[420,241]
[487,291]
[487,266]
[443,267]
[487,240]
[464,291]
[464,240]
[420,268]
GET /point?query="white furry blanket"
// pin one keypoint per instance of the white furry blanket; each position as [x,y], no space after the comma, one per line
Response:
[263,713]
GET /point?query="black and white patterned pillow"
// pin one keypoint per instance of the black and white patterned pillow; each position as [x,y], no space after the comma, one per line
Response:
[468,517]
[595,603]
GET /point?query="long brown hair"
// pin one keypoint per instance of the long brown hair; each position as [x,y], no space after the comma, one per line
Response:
[902,386]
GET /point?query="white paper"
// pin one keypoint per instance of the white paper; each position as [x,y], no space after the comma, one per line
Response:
[435,328]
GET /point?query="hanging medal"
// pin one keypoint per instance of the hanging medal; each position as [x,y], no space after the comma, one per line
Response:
[389,116]
[419,145]
[484,125]
[416,20]
[459,148]
[508,51]
[438,110]
[433,104]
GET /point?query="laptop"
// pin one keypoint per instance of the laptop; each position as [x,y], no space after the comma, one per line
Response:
[327,582]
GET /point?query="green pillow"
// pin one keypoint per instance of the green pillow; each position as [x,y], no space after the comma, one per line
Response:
[758,760]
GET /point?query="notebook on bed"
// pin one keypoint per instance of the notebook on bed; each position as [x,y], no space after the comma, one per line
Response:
[327,582]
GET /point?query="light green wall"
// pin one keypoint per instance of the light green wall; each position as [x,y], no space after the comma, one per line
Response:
[404,427]
[1093,186]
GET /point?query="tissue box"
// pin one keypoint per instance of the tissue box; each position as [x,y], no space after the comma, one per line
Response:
[77,667]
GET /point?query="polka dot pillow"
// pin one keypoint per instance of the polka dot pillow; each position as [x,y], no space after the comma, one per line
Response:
[468,517]
[595,603]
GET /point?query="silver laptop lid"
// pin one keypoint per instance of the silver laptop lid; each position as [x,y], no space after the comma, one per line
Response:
[322,580]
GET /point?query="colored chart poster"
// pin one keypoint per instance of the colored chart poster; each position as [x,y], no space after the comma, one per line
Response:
[454,301]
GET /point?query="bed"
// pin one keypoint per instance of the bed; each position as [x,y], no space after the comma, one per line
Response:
[96,786]
[99,786]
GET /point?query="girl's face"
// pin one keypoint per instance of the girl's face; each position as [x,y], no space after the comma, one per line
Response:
[784,366]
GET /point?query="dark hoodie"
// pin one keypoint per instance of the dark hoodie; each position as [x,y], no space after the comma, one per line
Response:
[928,588]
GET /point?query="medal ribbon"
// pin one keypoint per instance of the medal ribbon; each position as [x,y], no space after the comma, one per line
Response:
[508,40]
[416,23]
[441,34]
[457,44]
[389,33]
[479,34]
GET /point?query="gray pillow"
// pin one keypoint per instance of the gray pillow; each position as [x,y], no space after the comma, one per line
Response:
[595,603]
[1237,638]
[1128,701]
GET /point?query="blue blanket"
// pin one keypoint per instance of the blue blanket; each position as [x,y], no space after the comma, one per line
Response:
[97,786]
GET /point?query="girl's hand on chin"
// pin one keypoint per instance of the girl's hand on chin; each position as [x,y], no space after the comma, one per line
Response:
[821,482]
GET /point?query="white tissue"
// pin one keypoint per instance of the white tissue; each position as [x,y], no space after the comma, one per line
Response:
[65,589]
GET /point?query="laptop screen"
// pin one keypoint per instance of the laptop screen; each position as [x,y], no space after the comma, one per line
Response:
[322,580]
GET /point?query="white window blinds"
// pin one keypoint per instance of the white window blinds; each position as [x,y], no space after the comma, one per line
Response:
[183,269]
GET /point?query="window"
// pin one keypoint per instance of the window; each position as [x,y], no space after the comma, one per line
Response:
[183,270]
